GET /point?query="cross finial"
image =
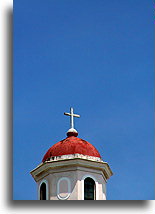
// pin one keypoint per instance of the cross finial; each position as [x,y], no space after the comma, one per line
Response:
[72,115]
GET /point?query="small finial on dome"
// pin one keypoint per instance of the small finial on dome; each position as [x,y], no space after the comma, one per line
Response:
[72,131]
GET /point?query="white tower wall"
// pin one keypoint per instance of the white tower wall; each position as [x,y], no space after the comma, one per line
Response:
[64,179]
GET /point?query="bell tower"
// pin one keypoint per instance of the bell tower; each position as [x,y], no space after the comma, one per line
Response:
[72,169]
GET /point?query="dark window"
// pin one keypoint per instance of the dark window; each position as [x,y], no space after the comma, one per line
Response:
[89,189]
[43,191]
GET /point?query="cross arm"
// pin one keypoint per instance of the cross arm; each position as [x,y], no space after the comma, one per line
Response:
[74,115]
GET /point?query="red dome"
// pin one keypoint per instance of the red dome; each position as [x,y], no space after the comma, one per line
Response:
[71,145]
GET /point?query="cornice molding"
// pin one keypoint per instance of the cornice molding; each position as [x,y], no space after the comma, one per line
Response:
[47,167]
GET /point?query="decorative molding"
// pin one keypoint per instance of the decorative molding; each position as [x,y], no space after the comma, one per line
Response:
[46,182]
[43,169]
[58,188]
[96,186]
[73,156]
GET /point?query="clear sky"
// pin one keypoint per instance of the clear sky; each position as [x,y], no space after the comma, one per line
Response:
[95,56]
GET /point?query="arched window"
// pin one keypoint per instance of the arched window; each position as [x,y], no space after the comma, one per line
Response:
[43,191]
[89,189]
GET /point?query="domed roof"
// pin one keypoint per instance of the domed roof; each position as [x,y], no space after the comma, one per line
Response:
[71,145]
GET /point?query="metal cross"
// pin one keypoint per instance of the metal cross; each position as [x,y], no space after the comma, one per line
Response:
[72,115]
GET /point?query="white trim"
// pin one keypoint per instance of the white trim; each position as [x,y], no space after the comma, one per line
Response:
[104,191]
[46,182]
[58,188]
[96,186]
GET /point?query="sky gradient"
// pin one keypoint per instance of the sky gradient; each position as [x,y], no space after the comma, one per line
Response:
[94,56]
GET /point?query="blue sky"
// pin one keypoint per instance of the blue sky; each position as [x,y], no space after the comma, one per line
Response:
[95,56]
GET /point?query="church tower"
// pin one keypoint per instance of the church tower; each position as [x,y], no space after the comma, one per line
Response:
[72,169]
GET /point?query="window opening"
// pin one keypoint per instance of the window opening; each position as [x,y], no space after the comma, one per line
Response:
[89,189]
[43,191]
